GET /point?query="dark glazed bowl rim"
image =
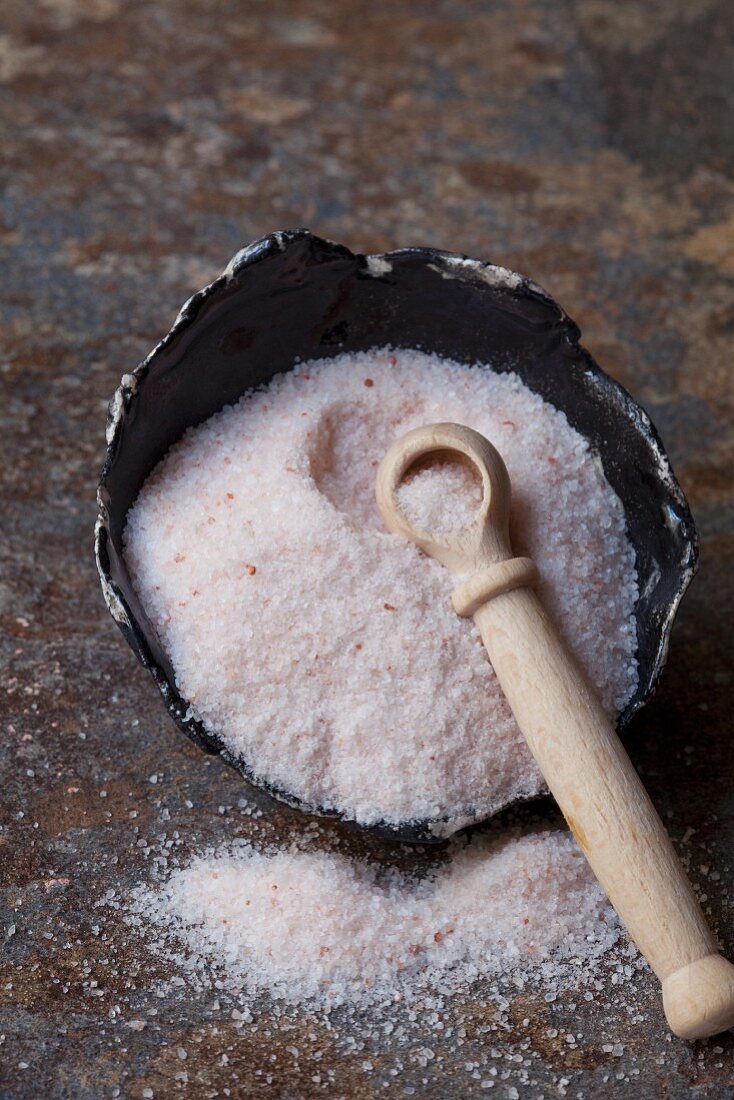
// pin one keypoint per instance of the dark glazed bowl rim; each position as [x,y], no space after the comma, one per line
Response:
[490,279]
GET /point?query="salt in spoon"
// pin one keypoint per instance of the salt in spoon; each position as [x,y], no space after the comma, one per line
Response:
[576,747]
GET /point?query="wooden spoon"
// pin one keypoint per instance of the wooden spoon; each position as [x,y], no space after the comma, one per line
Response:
[584,764]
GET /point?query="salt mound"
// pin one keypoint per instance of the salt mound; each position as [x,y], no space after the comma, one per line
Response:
[319,926]
[324,651]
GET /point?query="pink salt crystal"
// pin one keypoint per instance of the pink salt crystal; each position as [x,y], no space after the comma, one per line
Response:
[441,498]
[348,931]
[412,725]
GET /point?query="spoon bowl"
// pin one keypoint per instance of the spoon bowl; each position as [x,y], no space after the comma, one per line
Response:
[488,533]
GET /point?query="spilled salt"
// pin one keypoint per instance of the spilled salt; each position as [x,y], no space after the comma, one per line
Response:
[324,651]
[319,926]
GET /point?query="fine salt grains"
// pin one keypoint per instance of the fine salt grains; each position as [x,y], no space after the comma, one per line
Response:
[324,651]
[318,926]
[441,497]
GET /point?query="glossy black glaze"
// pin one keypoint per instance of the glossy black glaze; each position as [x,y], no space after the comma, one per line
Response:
[294,296]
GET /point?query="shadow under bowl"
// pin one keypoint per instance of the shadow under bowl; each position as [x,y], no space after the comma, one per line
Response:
[292,296]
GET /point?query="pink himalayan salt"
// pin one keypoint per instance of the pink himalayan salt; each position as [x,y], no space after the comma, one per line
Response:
[320,926]
[441,497]
[325,651]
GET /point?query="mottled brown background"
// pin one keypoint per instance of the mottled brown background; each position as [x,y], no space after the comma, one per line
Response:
[588,144]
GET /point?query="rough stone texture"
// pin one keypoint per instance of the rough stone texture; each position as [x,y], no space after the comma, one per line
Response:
[587,144]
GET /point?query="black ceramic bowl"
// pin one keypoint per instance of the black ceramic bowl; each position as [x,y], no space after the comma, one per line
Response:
[294,296]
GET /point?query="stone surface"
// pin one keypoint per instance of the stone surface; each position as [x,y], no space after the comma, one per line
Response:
[585,144]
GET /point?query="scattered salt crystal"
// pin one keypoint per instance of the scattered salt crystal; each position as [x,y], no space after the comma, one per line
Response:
[382,704]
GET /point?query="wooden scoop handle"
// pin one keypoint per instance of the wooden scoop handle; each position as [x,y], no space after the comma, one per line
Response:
[576,747]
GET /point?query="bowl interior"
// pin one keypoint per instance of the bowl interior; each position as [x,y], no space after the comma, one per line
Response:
[293,296]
